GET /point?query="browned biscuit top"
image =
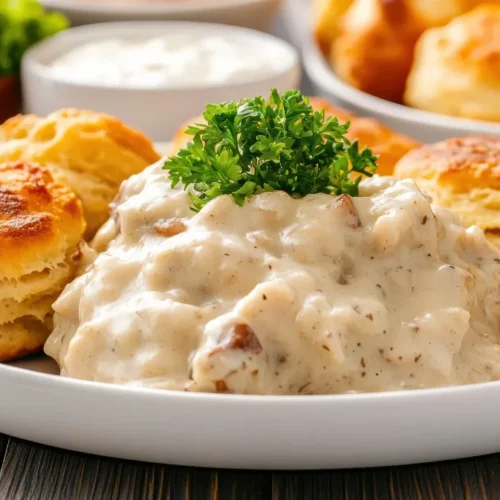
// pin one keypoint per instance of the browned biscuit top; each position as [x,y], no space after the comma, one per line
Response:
[40,219]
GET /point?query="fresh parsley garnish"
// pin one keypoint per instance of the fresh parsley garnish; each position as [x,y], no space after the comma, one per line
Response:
[253,146]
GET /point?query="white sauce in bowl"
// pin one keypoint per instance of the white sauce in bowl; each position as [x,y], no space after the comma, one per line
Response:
[175,60]
[283,296]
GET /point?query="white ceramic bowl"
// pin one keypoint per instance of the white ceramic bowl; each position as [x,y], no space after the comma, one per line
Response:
[158,112]
[422,125]
[256,14]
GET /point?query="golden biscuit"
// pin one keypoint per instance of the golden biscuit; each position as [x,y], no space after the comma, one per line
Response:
[36,308]
[374,47]
[460,174]
[22,337]
[384,142]
[49,280]
[457,67]
[388,145]
[90,152]
[39,216]
[41,225]
[327,14]
[439,12]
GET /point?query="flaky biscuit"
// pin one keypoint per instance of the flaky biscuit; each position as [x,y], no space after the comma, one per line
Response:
[24,336]
[461,174]
[41,226]
[439,12]
[91,152]
[388,145]
[38,308]
[327,15]
[37,283]
[456,70]
[40,220]
[374,46]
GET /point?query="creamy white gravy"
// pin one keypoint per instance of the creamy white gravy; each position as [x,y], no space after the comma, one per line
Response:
[172,60]
[283,296]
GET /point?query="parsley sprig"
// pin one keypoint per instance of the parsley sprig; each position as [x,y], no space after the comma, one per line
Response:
[259,145]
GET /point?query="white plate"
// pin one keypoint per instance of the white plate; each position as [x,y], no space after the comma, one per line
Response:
[256,14]
[422,125]
[251,432]
[247,432]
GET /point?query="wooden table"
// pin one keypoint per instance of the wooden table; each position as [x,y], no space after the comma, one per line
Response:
[31,471]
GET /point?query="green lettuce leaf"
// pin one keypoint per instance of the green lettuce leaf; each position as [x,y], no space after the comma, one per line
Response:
[22,24]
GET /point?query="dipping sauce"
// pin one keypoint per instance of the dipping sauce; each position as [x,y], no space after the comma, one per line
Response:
[175,60]
[316,295]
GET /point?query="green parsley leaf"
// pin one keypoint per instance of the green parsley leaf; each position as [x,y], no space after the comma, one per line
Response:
[249,147]
[22,24]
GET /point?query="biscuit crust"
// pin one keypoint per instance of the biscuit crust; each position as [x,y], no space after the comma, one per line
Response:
[462,174]
[90,152]
[41,226]
[327,15]
[374,47]
[440,12]
[40,219]
[387,144]
[456,70]
[23,337]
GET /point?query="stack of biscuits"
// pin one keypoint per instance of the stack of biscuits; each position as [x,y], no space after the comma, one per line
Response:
[436,55]
[41,225]
[58,175]
[90,152]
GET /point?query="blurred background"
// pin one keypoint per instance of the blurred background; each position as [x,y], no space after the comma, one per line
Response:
[429,69]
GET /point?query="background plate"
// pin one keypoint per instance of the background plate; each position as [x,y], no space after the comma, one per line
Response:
[257,14]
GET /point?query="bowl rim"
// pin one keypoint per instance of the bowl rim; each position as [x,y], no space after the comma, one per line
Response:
[324,77]
[72,37]
[135,7]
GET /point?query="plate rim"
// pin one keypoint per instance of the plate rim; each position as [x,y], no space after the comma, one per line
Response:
[26,376]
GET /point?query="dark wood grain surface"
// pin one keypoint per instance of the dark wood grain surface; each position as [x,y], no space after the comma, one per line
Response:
[31,471]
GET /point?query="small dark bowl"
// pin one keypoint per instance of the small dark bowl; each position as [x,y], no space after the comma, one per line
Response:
[10,97]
